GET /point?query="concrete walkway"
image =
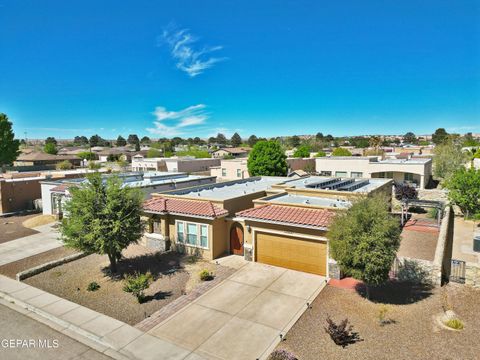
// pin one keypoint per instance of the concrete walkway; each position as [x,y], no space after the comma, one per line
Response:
[244,316]
[46,239]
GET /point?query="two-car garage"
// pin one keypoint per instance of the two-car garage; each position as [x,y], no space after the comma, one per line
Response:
[291,252]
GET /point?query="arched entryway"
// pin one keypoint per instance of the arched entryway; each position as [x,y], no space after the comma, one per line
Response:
[236,239]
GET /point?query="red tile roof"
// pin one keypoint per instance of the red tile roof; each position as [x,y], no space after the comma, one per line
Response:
[182,206]
[289,215]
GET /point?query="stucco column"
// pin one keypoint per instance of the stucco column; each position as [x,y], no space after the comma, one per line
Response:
[165,228]
[422,182]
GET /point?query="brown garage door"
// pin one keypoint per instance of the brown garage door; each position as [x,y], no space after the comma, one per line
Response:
[292,253]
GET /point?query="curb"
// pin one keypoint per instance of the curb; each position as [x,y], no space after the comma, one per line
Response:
[25,274]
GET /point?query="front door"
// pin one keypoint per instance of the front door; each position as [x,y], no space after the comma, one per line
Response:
[236,240]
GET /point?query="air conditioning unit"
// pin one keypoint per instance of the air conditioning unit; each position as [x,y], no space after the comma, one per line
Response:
[476,243]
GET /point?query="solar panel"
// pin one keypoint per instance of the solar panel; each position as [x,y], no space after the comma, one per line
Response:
[341,184]
[354,186]
[322,184]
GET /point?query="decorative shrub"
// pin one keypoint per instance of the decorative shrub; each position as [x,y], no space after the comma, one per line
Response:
[282,355]
[342,333]
[382,313]
[206,275]
[405,191]
[93,286]
[454,324]
[137,284]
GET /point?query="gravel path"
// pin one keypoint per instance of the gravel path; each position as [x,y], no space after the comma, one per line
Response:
[11,227]
[412,334]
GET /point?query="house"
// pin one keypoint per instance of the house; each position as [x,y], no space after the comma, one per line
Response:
[22,191]
[232,169]
[306,164]
[175,164]
[274,220]
[416,171]
[55,193]
[44,161]
[236,152]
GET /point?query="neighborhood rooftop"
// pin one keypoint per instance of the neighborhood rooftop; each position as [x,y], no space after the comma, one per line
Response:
[337,183]
[294,199]
[231,189]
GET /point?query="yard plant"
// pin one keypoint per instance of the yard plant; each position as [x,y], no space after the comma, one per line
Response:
[454,324]
[137,284]
[206,275]
[342,334]
[282,354]
[9,146]
[364,240]
[93,286]
[103,217]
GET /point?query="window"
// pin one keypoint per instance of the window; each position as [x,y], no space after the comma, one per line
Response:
[408,177]
[180,231]
[239,173]
[204,236]
[192,234]
[157,227]
[389,175]
[325,173]
[340,174]
[224,172]
[355,174]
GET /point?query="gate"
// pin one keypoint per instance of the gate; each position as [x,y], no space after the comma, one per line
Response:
[457,272]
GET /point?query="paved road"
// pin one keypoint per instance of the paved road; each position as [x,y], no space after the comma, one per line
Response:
[15,326]
[46,239]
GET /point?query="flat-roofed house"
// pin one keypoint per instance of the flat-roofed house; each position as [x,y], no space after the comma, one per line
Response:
[236,152]
[178,164]
[417,171]
[274,220]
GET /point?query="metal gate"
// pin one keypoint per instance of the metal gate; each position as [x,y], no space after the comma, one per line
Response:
[457,271]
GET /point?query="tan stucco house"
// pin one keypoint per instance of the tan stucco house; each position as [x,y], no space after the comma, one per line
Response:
[274,220]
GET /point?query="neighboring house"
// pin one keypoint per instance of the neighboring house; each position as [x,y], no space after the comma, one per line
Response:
[307,164]
[55,193]
[417,171]
[177,164]
[44,161]
[233,169]
[415,149]
[274,220]
[22,191]
[236,152]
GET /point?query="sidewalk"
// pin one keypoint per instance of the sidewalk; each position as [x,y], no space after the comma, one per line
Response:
[46,239]
[102,333]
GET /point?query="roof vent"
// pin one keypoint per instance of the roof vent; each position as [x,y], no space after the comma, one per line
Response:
[307,201]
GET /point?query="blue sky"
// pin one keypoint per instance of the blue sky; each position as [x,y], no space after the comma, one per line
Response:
[269,68]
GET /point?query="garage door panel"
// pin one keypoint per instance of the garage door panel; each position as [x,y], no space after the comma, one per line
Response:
[292,253]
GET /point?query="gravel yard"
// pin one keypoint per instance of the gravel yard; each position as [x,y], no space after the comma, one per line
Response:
[174,275]
[11,227]
[411,334]
[15,267]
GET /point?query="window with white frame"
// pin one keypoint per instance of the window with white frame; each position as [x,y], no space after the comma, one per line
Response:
[340,174]
[192,234]
[224,172]
[356,174]
[239,173]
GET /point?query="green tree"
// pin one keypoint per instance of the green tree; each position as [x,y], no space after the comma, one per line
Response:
[121,141]
[464,191]
[409,138]
[294,141]
[236,140]
[96,140]
[221,139]
[321,154]
[319,136]
[341,152]
[87,155]
[64,165]
[50,148]
[145,140]
[469,140]
[80,140]
[448,158]
[364,240]
[252,140]
[9,146]
[303,151]
[153,153]
[132,139]
[51,140]
[103,217]
[439,136]
[267,158]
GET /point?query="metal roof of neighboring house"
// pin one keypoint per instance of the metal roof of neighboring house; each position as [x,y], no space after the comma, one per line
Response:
[235,150]
[291,215]
[184,207]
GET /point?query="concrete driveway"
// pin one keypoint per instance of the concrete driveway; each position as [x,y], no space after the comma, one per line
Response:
[242,317]
[46,239]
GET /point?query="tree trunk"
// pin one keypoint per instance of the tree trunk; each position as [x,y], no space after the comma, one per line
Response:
[367,290]
[113,263]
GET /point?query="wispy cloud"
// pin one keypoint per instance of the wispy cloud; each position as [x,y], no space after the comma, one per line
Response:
[463,128]
[173,123]
[59,129]
[190,56]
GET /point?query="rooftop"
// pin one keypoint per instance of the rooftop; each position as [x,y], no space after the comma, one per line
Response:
[184,207]
[357,185]
[319,218]
[314,201]
[231,189]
